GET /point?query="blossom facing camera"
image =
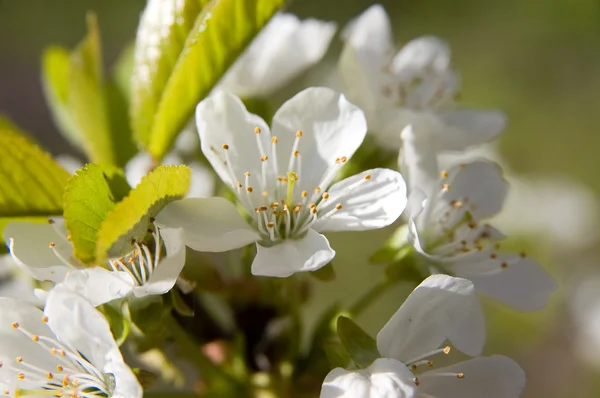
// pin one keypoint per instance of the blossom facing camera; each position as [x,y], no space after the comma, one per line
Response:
[66,350]
[414,86]
[441,308]
[282,178]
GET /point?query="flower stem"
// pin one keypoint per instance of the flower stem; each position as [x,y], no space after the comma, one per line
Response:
[370,296]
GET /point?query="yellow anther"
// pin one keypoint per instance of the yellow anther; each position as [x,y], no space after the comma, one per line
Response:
[249,188]
[20,376]
[338,206]
[343,159]
[264,157]
[447,350]
[318,189]
[368,177]
[304,194]
[325,195]
[225,146]
[445,187]
[460,375]
[257,130]
[19,359]
[35,338]
[51,245]
[493,256]
[299,133]
[15,325]
[247,174]
[296,153]
[49,376]
[59,368]
[239,184]
[444,174]
[271,225]
[274,140]
[504,265]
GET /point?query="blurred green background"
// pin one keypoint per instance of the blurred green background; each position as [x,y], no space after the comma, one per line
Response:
[537,60]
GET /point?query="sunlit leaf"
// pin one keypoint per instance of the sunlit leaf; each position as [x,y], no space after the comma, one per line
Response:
[55,80]
[130,218]
[89,110]
[89,197]
[31,182]
[171,76]
[361,347]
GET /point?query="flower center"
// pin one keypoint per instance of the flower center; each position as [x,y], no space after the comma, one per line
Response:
[141,261]
[278,201]
[427,90]
[73,375]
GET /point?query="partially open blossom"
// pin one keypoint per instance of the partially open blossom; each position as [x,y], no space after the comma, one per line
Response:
[65,351]
[414,86]
[283,181]
[45,252]
[441,308]
[448,228]
[285,47]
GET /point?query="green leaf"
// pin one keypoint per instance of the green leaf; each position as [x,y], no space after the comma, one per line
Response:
[31,181]
[86,97]
[90,111]
[154,59]
[167,87]
[122,70]
[90,196]
[119,324]
[130,217]
[179,304]
[55,80]
[361,347]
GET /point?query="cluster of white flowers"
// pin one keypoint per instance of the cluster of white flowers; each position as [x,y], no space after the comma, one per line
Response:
[287,194]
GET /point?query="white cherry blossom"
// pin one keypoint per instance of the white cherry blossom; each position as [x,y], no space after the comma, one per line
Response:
[441,308]
[415,85]
[286,47]
[65,351]
[283,181]
[448,229]
[45,252]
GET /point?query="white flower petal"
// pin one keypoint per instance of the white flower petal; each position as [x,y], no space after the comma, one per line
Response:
[137,167]
[209,224]
[489,377]
[167,271]
[367,49]
[462,128]
[222,119]
[481,183]
[282,50]
[99,285]
[293,255]
[331,127]
[440,308]
[14,343]
[523,284]
[417,161]
[372,199]
[385,378]
[29,245]
[126,383]
[81,327]
[371,30]
[423,53]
